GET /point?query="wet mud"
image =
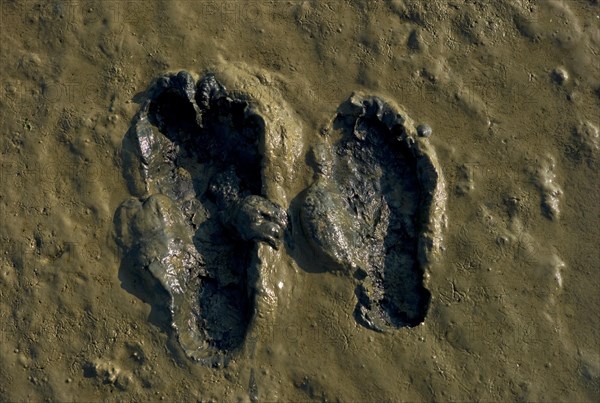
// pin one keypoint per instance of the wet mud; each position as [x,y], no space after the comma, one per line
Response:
[193,157]
[247,230]
[376,209]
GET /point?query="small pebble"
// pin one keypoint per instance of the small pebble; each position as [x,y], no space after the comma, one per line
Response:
[424,130]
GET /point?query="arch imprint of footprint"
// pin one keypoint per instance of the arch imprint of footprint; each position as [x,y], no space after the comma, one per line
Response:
[207,163]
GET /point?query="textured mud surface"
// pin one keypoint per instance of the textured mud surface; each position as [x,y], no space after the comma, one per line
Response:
[376,209]
[506,92]
[193,156]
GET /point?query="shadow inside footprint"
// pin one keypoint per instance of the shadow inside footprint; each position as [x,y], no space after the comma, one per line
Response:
[369,209]
[221,155]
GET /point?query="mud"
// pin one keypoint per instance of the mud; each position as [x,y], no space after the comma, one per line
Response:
[506,311]
[193,156]
[377,208]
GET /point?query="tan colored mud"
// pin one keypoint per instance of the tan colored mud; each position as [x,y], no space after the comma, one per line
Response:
[511,90]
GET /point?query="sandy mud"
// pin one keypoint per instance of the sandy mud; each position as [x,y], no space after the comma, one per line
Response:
[390,200]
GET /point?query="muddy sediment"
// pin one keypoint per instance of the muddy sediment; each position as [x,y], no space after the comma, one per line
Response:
[193,156]
[376,209]
[505,93]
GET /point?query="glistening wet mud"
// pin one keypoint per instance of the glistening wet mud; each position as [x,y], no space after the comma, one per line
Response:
[378,191]
[194,160]
[193,156]
[510,91]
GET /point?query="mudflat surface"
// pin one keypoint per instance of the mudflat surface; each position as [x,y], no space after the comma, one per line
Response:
[511,91]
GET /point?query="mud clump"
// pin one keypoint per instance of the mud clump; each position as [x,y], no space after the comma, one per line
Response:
[109,373]
[551,192]
[585,144]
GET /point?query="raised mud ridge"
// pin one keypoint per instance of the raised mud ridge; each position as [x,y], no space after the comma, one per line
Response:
[377,209]
[194,160]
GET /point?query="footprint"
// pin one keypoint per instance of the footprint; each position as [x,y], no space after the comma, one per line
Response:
[377,209]
[194,162]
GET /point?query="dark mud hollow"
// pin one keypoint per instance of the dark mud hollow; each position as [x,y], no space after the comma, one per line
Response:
[193,159]
[369,210]
[386,187]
